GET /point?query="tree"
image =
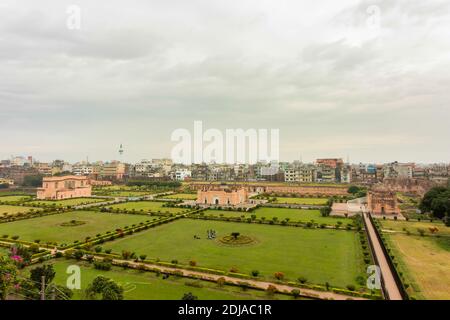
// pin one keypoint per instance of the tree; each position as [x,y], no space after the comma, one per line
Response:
[325,211]
[436,201]
[78,254]
[45,271]
[104,287]
[8,274]
[353,189]
[33,180]
[235,235]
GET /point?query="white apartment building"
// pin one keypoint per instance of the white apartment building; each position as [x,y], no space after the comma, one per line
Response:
[181,174]
[82,169]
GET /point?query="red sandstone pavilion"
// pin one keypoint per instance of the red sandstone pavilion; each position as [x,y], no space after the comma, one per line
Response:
[66,187]
[223,196]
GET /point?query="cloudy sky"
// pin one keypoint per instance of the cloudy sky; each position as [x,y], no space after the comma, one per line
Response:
[364,79]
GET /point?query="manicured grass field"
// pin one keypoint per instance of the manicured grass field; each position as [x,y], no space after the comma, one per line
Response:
[126,193]
[147,286]
[182,196]
[412,226]
[66,202]
[319,255]
[306,201]
[425,262]
[14,198]
[294,215]
[49,229]
[153,206]
[12,210]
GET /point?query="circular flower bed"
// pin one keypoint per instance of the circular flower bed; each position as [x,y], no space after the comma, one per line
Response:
[240,240]
[72,223]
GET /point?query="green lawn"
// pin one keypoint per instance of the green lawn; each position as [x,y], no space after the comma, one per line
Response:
[13,210]
[412,226]
[14,198]
[127,194]
[66,202]
[49,229]
[319,255]
[305,201]
[148,286]
[182,196]
[294,215]
[149,206]
[425,264]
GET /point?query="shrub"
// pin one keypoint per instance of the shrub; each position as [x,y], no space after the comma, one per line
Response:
[234,270]
[255,273]
[279,275]
[193,263]
[78,254]
[271,290]
[221,281]
[302,280]
[351,287]
[295,293]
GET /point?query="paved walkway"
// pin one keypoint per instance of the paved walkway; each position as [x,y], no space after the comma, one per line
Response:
[255,283]
[325,295]
[389,283]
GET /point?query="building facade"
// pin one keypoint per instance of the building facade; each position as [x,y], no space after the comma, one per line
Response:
[222,196]
[382,202]
[66,187]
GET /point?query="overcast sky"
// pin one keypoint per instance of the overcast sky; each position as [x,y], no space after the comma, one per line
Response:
[367,79]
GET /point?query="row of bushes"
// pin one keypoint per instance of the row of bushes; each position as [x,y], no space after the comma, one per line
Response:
[119,233]
[308,224]
[31,214]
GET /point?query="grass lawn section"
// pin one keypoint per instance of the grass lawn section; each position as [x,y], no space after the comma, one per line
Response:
[306,201]
[125,193]
[425,262]
[319,255]
[14,198]
[66,202]
[153,206]
[49,229]
[412,226]
[6,209]
[294,215]
[147,286]
[182,196]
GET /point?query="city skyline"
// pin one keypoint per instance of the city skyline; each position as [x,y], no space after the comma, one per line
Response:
[358,78]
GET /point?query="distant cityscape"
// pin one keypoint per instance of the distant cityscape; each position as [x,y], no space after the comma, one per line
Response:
[14,171]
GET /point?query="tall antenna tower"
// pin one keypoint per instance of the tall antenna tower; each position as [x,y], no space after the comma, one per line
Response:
[121,151]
